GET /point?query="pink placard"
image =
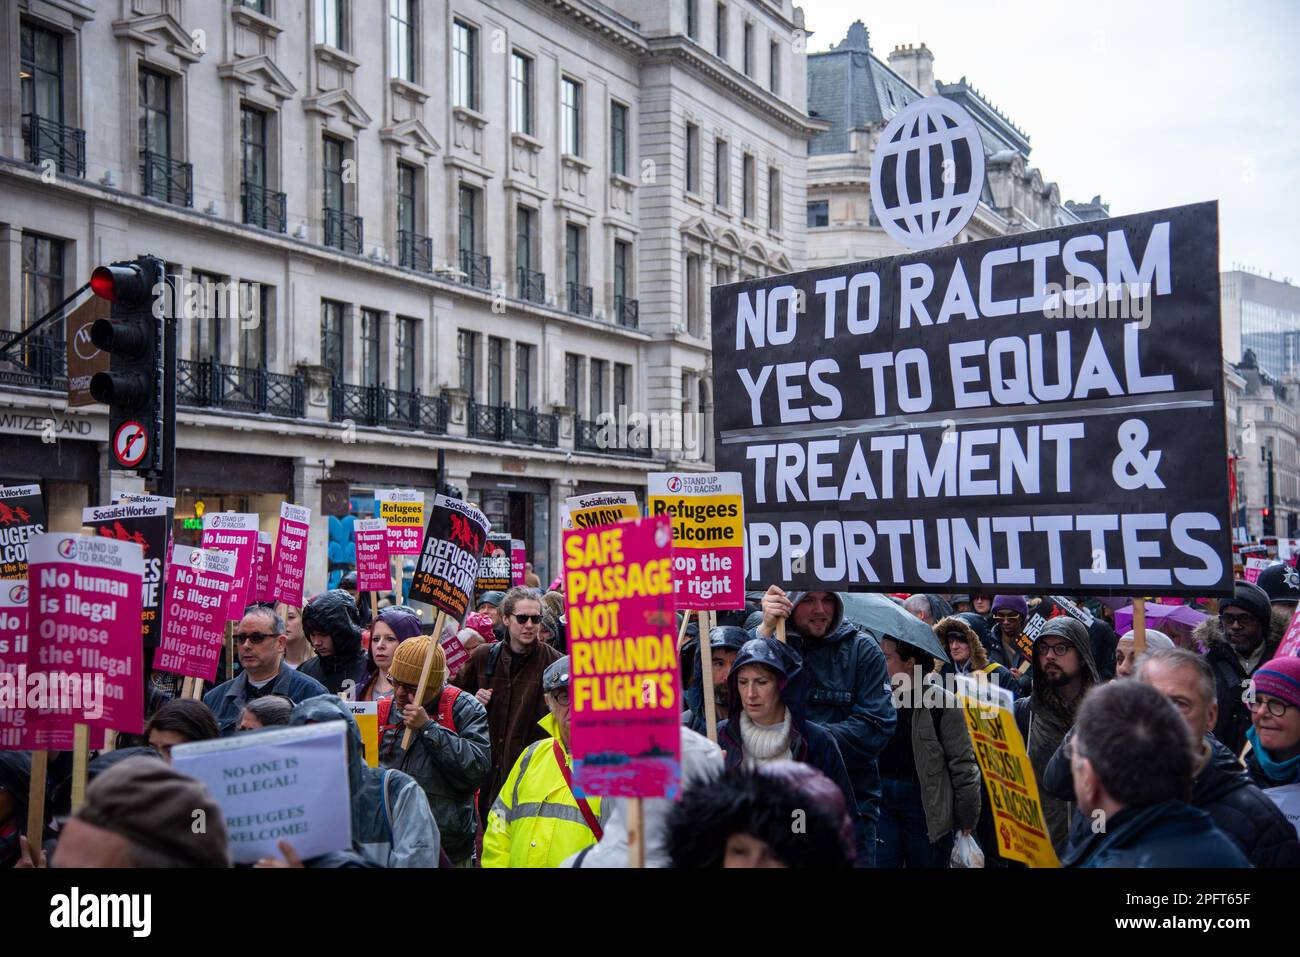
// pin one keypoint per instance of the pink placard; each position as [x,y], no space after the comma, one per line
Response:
[291,554]
[373,572]
[518,561]
[456,654]
[403,510]
[1253,567]
[84,612]
[234,532]
[198,593]
[1289,647]
[262,578]
[20,726]
[624,685]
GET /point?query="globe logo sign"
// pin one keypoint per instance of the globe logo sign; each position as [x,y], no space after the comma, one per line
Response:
[67,548]
[675,483]
[927,173]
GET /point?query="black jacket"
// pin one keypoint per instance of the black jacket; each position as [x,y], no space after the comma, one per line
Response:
[335,613]
[1169,834]
[1230,678]
[449,765]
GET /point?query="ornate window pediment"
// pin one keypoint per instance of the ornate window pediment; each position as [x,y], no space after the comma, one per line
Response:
[162,30]
[339,103]
[700,230]
[258,72]
[411,133]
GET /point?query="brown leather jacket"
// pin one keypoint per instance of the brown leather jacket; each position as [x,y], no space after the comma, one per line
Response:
[517,705]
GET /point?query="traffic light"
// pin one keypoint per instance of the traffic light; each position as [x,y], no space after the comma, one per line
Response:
[133,338]
[1267,514]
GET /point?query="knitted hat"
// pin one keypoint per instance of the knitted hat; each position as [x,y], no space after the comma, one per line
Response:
[1250,598]
[151,804]
[403,621]
[1279,678]
[408,662]
[1014,603]
[1154,639]
[481,623]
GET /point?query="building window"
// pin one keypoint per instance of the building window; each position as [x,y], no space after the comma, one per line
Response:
[467,357]
[333,151]
[774,199]
[622,385]
[622,263]
[721,184]
[525,244]
[468,219]
[747,187]
[773,65]
[206,343]
[819,214]
[692,158]
[407,331]
[155,113]
[618,139]
[574,255]
[329,23]
[693,325]
[257,6]
[749,49]
[42,282]
[401,39]
[521,93]
[571,109]
[371,337]
[407,198]
[464,65]
[496,369]
[41,73]
[252,336]
[331,337]
[721,276]
[692,19]
[252,140]
[598,367]
[523,376]
[572,380]
[720,37]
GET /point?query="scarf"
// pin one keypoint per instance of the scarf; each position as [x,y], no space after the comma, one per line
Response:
[764,743]
[1283,772]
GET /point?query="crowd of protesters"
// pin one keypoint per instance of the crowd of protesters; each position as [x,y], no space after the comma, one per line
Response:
[1148,749]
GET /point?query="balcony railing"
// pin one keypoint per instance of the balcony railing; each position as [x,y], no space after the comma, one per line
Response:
[627,312]
[378,406]
[414,251]
[40,362]
[263,207]
[211,384]
[588,437]
[344,231]
[477,269]
[48,139]
[579,298]
[532,285]
[167,179]
[500,423]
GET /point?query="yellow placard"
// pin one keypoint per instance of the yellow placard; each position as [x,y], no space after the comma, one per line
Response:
[367,717]
[1008,775]
[601,508]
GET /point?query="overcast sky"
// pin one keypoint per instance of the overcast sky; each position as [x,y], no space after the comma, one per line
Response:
[1151,103]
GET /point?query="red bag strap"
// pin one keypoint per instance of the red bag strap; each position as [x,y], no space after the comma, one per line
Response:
[587,815]
[445,703]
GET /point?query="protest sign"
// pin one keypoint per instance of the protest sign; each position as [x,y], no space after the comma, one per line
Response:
[624,686]
[84,614]
[149,525]
[601,508]
[374,574]
[403,510]
[1254,566]
[234,532]
[282,784]
[198,590]
[22,517]
[1025,414]
[21,727]
[1075,611]
[518,562]
[708,535]
[291,554]
[449,557]
[1287,798]
[1008,775]
[1289,646]
[495,572]
[262,574]
[455,653]
[367,715]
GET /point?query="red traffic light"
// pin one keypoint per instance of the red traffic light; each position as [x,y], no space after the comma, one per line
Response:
[124,284]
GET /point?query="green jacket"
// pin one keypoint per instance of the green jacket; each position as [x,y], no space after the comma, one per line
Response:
[946,765]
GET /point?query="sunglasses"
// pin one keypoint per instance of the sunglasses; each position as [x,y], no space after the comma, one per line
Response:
[255,638]
[528,619]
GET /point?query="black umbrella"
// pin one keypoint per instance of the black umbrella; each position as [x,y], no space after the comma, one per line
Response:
[884,619]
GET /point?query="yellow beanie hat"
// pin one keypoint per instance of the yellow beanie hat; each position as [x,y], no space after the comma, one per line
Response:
[408,662]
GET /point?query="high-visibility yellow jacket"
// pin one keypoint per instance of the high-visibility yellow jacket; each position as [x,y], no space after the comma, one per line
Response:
[535,820]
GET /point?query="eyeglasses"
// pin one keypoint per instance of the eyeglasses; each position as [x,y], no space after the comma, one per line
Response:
[1057,651]
[1006,615]
[1228,621]
[254,637]
[527,619]
[1275,707]
[409,689]
[561,697]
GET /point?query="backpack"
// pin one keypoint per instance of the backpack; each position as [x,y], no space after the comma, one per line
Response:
[446,701]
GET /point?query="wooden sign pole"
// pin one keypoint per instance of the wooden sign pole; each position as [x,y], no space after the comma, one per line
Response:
[681,632]
[1139,627]
[36,799]
[197,689]
[780,631]
[424,672]
[187,687]
[635,833]
[230,650]
[80,758]
[707,624]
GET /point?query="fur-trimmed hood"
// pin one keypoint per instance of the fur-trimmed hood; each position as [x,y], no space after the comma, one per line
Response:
[979,656]
[1209,635]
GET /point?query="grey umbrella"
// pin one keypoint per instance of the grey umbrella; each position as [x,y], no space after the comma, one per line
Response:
[884,619]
